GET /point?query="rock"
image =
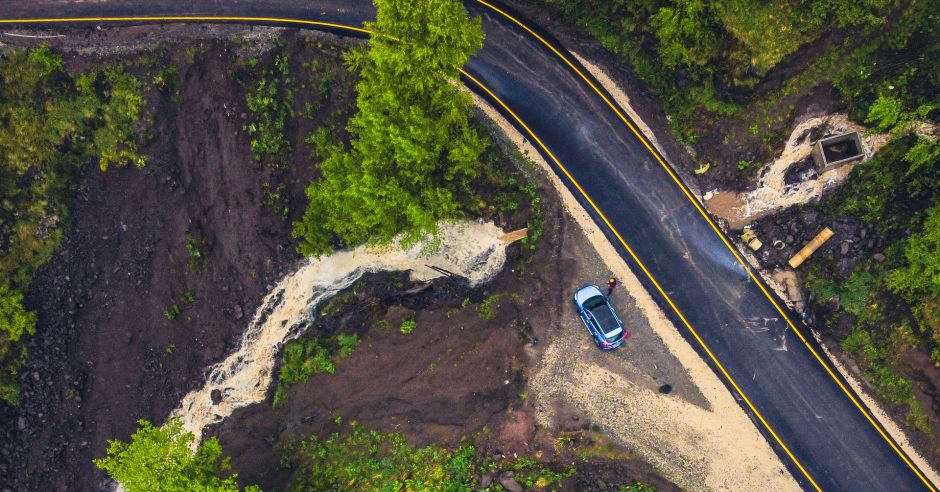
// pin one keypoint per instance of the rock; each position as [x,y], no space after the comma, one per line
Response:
[789,239]
[216,396]
[810,216]
[486,480]
[510,484]
[35,376]
[237,310]
[879,257]
[21,423]
[845,248]
[863,232]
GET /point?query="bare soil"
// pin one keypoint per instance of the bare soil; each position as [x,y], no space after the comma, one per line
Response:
[106,353]
[458,375]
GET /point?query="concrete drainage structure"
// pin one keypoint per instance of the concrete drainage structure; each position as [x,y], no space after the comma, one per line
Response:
[832,152]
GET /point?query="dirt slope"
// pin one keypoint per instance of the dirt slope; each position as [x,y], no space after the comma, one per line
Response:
[105,354]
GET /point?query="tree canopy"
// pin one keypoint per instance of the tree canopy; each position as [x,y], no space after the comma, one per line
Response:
[412,152]
[160,459]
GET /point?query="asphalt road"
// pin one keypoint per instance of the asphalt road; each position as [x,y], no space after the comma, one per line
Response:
[825,439]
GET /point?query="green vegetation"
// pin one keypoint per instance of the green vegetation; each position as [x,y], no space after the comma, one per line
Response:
[159,459]
[705,60]
[413,151]
[919,278]
[186,301]
[270,102]
[360,459]
[879,360]
[15,321]
[52,123]
[408,325]
[636,487]
[270,106]
[487,308]
[893,304]
[306,357]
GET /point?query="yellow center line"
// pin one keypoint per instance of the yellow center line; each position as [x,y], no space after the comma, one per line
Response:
[184,18]
[648,274]
[564,170]
[731,248]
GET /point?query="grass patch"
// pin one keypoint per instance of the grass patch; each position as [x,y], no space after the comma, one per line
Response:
[407,326]
[359,459]
[878,356]
[487,308]
[306,357]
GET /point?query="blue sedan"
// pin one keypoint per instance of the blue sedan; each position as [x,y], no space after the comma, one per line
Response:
[599,317]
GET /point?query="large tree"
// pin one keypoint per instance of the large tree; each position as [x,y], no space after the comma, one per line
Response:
[412,152]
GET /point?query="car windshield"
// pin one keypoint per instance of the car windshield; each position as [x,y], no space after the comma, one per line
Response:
[602,314]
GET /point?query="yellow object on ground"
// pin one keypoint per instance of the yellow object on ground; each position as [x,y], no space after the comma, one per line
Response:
[750,239]
[810,247]
[511,237]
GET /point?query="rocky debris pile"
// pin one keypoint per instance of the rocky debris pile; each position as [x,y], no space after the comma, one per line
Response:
[784,235]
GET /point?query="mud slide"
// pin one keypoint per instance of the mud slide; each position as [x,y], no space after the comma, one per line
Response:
[469,249]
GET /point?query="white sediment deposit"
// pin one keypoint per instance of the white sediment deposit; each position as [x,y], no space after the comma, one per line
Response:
[772,193]
[469,249]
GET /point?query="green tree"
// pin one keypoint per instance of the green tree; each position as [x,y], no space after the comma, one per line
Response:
[687,34]
[15,320]
[161,459]
[413,151]
[921,276]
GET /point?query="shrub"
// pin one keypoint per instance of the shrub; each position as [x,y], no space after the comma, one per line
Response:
[408,325]
[306,357]
[921,274]
[161,459]
[360,459]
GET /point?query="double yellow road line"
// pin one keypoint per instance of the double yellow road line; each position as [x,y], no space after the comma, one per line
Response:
[577,70]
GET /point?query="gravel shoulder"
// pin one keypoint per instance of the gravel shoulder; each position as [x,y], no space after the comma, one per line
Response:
[697,435]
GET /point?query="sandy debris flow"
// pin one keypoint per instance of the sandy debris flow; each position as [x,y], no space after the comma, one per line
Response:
[468,249]
[772,193]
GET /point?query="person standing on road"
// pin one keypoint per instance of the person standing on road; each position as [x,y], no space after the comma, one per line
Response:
[610,285]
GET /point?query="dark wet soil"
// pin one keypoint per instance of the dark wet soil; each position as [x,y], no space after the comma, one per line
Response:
[455,375]
[105,353]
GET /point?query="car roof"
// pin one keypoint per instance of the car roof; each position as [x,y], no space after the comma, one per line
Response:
[605,317]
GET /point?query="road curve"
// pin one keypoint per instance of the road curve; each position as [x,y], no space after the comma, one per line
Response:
[827,438]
